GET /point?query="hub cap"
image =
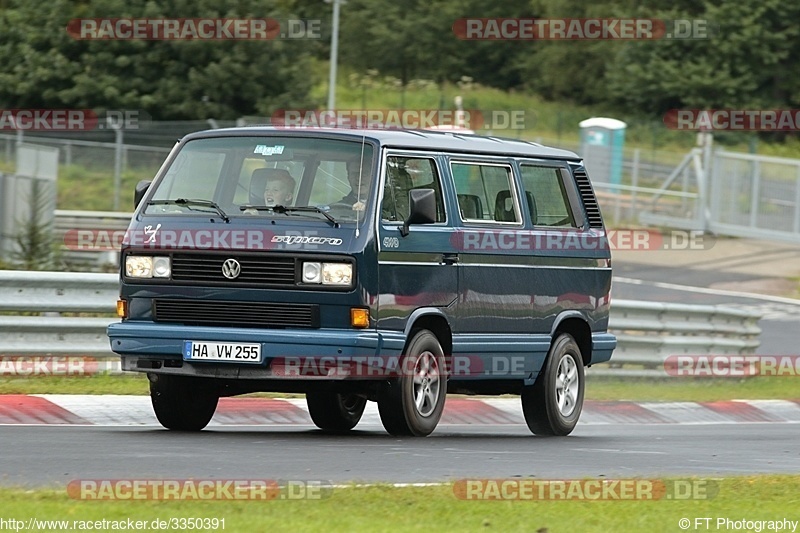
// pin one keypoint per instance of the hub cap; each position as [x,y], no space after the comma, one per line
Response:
[567,382]
[426,383]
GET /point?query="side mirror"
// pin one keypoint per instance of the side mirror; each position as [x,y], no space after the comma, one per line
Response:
[140,191]
[421,208]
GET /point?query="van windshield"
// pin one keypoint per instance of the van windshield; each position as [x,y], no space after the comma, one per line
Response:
[261,176]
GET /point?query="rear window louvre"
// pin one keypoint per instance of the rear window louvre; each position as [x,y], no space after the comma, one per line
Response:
[589,199]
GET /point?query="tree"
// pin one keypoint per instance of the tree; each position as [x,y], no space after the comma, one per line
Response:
[747,64]
[169,80]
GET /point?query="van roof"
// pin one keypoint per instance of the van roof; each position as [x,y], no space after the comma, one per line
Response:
[411,139]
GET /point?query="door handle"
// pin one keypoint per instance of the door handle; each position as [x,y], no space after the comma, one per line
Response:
[450,259]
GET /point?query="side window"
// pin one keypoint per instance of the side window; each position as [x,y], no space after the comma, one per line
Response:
[546,198]
[485,192]
[402,175]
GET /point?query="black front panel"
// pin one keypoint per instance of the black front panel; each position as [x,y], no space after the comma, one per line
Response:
[260,269]
[236,314]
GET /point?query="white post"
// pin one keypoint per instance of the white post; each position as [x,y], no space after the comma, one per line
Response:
[117,127]
[334,56]
[634,183]
[460,119]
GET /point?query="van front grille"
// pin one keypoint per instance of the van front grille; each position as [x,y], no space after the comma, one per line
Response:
[236,314]
[256,270]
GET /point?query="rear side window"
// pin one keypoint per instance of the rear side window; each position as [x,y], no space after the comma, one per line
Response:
[404,174]
[545,197]
[485,193]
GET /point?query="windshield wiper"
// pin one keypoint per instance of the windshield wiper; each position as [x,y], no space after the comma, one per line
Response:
[285,210]
[189,202]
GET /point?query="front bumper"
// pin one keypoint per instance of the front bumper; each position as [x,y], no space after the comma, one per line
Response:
[158,348]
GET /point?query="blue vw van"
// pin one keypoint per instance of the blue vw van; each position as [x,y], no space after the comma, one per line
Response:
[365,265]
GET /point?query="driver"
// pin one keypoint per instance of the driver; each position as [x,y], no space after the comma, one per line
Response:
[359,186]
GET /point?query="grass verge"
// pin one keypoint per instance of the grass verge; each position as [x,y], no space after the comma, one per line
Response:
[668,389]
[384,508]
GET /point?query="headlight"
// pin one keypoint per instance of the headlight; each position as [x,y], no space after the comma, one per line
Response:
[337,273]
[312,272]
[340,274]
[161,267]
[145,266]
[138,266]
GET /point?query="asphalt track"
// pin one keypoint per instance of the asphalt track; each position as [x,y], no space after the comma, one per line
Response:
[54,456]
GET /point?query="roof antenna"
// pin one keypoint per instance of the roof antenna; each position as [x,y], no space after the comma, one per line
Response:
[360,171]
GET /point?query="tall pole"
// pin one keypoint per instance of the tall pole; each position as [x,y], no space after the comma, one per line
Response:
[334,56]
[117,127]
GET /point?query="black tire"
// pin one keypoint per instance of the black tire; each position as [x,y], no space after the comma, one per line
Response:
[553,404]
[423,377]
[335,412]
[183,403]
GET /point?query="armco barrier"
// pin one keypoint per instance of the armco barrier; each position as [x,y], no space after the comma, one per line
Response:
[72,223]
[648,332]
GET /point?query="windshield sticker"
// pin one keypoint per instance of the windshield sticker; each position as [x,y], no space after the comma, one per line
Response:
[263,149]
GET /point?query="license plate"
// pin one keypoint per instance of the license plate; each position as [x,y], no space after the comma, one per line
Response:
[230,352]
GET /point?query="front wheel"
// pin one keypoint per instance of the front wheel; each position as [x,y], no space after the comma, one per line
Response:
[183,403]
[412,403]
[553,404]
[334,412]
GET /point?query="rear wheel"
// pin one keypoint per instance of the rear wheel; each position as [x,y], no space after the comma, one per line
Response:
[552,405]
[183,403]
[335,412]
[412,404]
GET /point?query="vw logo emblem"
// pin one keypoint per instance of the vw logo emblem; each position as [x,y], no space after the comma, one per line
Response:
[231,268]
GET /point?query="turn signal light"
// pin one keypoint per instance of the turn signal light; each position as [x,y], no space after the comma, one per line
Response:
[122,308]
[359,318]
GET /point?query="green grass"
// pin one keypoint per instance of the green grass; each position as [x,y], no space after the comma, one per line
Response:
[128,383]
[384,508]
[692,389]
[606,389]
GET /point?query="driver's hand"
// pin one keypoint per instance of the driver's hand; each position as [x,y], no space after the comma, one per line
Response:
[359,206]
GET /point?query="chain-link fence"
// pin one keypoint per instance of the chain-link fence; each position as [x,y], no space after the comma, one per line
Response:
[755,196]
[729,193]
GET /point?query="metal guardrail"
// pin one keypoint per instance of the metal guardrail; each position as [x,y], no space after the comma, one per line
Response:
[68,225]
[647,332]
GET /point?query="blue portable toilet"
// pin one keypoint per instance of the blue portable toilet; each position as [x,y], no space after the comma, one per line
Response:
[602,141]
